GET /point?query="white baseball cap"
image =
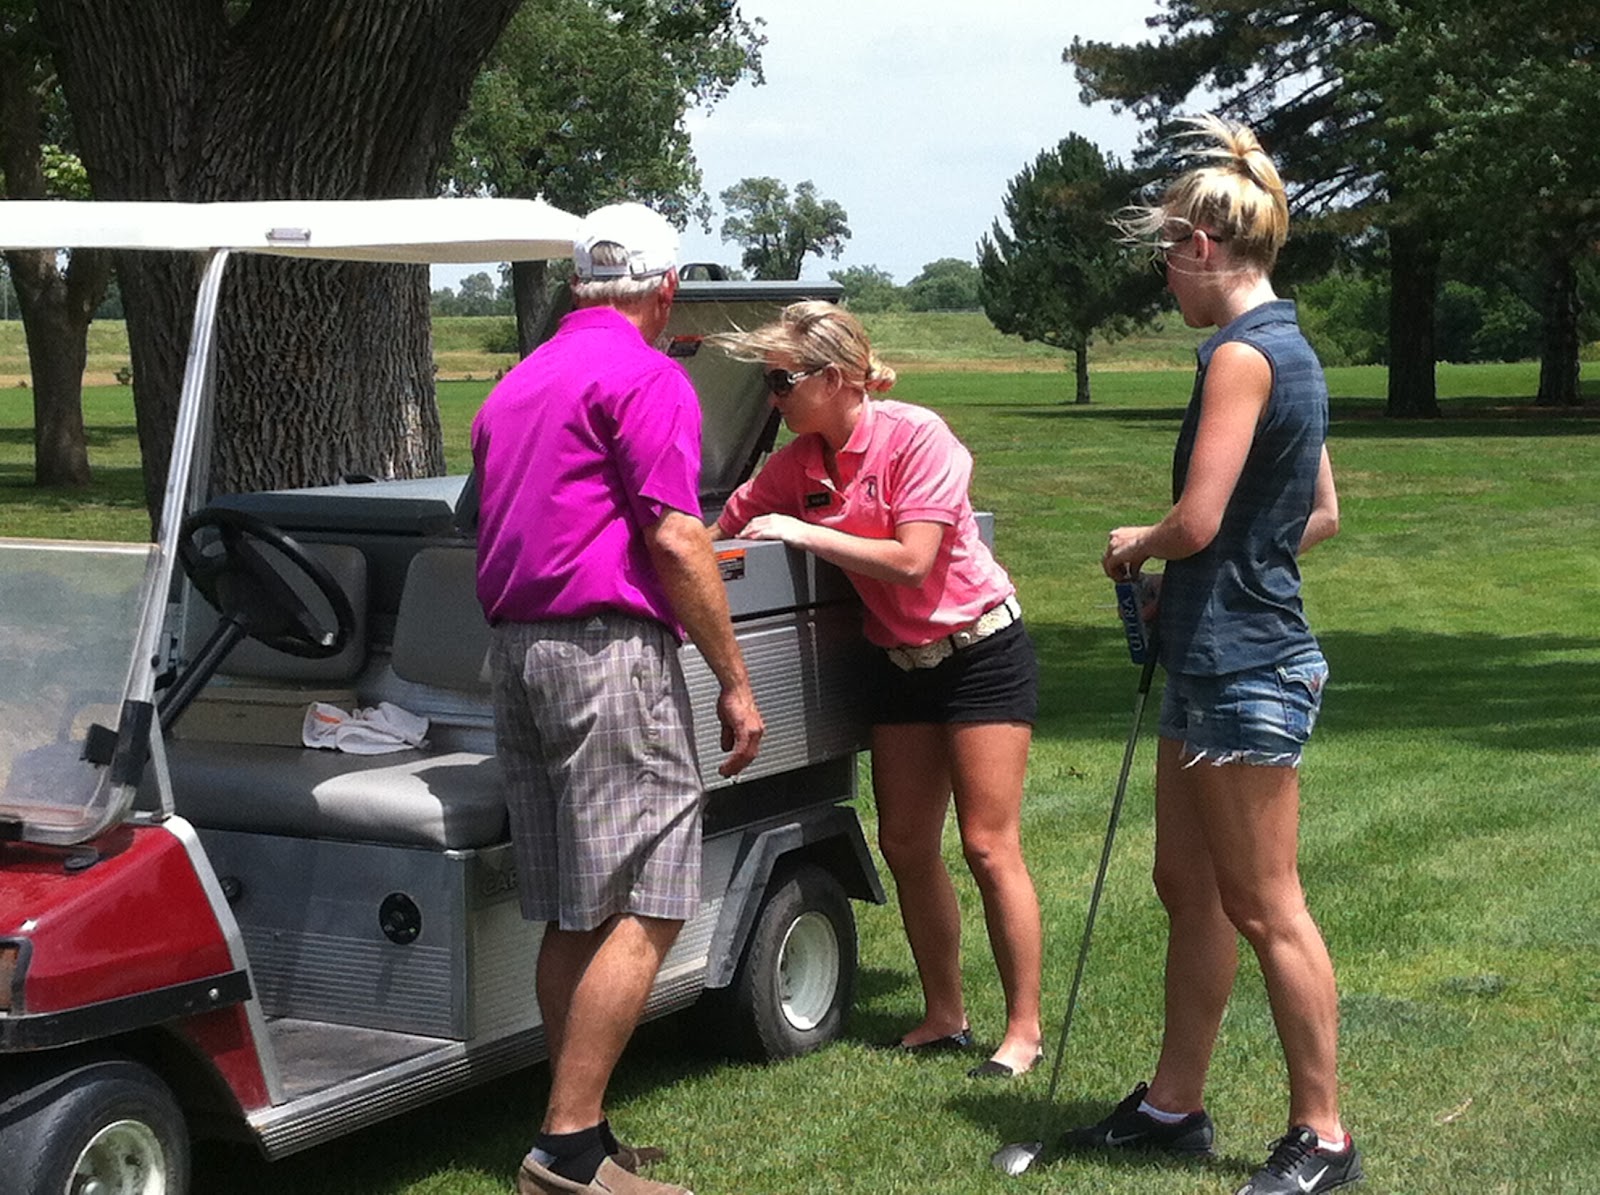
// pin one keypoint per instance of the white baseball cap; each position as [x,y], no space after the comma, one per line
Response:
[649,242]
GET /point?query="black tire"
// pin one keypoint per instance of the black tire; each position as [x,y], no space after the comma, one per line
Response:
[106,1127]
[797,979]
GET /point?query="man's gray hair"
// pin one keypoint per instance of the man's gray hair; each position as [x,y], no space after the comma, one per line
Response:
[614,292]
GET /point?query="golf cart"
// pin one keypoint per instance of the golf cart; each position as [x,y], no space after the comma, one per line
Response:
[208,927]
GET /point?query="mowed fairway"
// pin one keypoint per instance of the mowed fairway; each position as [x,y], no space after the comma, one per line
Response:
[1450,838]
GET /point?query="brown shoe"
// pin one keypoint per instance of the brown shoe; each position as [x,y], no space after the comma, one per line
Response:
[610,1179]
[634,1158]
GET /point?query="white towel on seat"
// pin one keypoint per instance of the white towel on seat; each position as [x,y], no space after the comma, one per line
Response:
[385,727]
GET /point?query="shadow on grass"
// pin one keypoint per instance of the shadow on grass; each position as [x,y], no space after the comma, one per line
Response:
[1509,692]
[1364,418]
[95,434]
[503,1116]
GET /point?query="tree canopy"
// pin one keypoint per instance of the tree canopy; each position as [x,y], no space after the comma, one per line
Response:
[583,102]
[1057,275]
[868,289]
[1417,117]
[778,233]
[1281,66]
[949,284]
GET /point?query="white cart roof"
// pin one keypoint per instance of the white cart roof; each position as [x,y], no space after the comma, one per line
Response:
[405,230]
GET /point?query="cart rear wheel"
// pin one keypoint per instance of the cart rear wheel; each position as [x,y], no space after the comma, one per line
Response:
[798,975]
[109,1127]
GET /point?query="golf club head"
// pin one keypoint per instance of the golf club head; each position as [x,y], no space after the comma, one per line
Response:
[1013,1159]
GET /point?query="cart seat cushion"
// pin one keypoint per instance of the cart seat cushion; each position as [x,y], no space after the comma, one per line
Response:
[440,636]
[448,800]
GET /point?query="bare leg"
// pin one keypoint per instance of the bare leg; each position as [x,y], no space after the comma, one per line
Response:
[1202,944]
[1251,817]
[593,987]
[911,781]
[989,761]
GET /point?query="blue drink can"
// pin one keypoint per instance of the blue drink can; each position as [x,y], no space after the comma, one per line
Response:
[1131,597]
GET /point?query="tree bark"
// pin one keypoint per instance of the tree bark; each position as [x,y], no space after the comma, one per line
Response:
[539,307]
[56,310]
[1413,289]
[1080,355]
[325,369]
[56,307]
[1559,338]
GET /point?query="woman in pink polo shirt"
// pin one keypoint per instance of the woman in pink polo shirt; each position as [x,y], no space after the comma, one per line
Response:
[879,488]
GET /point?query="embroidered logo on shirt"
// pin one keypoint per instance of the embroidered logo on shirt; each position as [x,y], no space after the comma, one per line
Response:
[870,484]
[818,499]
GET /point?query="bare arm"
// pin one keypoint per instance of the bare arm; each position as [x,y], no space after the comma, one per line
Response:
[904,560]
[1238,384]
[1324,520]
[680,550]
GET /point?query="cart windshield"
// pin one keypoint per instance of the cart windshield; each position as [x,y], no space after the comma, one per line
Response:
[69,620]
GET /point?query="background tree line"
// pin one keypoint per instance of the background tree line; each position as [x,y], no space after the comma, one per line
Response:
[1438,150]
[1435,140]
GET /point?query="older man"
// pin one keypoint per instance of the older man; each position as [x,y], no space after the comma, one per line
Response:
[592,564]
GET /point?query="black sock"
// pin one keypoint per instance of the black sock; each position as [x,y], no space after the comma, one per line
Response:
[576,1156]
[608,1138]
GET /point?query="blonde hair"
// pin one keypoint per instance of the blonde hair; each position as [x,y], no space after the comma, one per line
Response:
[1237,196]
[815,334]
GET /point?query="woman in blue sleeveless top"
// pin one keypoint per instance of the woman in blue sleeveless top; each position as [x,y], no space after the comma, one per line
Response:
[1251,489]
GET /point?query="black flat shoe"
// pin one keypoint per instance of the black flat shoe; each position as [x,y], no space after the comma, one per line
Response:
[950,1042]
[999,1070]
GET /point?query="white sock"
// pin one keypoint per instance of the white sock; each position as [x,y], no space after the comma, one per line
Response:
[1156,1114]
[1331,1147]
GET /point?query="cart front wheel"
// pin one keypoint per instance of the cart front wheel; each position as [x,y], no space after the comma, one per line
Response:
[103,1128]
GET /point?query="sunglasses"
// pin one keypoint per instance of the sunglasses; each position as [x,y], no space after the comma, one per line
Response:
[782,383]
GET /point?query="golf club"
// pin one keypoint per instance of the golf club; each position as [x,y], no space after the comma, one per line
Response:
[1016,1157]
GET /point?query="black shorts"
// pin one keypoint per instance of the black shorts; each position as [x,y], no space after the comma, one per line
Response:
[994,680]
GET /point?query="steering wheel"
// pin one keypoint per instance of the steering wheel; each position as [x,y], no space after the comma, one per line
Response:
[248,590]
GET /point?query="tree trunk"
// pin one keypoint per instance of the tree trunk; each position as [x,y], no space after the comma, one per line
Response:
[1080,355]
[56,308]
[1559,347]
[326,369]
[539,305]
[1413,289]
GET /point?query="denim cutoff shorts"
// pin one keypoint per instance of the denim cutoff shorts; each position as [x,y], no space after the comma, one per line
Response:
[1259,716]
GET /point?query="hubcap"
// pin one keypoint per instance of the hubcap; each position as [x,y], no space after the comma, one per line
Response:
[808,970]
[124,1158]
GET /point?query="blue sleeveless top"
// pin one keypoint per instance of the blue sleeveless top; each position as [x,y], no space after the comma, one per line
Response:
[1235,604]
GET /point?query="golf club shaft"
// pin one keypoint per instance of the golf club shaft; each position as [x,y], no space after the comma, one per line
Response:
[1100,876]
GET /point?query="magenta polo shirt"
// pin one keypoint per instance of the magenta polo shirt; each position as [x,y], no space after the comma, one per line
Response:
[902,464]
[584,444]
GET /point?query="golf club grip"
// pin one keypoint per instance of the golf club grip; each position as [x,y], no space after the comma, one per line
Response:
[1145,677]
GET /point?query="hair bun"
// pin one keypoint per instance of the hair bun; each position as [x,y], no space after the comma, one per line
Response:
[879,376]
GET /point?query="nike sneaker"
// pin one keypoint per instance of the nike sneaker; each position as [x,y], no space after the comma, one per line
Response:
[1298,1167]
[1128,1128]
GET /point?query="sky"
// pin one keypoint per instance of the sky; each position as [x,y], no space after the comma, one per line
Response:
[913,115]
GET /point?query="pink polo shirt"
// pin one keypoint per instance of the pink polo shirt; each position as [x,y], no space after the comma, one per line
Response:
[902,464]
[584,444]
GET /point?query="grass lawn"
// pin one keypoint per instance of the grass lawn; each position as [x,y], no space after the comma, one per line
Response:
[1449,836]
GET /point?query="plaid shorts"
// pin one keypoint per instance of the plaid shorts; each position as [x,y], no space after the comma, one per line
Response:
[595,738]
